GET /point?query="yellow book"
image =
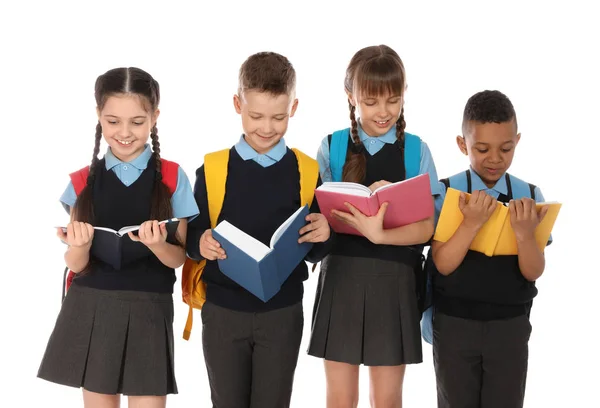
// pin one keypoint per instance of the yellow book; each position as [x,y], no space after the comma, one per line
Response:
[496,237]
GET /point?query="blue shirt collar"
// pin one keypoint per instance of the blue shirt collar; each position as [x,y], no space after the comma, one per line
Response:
[389,137]
[246,151]
[140,162]
[478,184]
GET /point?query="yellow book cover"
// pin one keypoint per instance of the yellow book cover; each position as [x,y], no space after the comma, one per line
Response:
[451,218]
[496,237]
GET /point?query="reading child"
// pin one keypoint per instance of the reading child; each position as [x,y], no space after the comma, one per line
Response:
[366,309]
[114,331]
[481,304]
[250,346]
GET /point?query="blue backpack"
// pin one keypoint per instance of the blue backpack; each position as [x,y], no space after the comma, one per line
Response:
[338,148]
[516,188]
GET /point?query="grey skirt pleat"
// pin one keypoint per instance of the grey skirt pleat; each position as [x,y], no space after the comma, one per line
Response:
[366,312]
[113,342]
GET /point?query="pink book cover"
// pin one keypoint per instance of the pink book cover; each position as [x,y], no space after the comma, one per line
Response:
[408,201]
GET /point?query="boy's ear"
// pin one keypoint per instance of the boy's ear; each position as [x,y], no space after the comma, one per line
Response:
[237,103]
[462,145]
[294,107]
[518,138]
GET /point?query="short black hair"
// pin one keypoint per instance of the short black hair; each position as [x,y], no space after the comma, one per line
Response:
[488,107]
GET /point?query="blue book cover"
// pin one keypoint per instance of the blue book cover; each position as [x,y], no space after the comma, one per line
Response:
[259,268]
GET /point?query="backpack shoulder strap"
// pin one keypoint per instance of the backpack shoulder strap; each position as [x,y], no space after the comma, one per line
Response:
[79,179]
[412,155]
[309,175]
[446,182]
[532,188]
[170,173]
[338,148]
[215,174]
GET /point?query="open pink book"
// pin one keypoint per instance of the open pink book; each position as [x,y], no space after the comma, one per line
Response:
[408,201]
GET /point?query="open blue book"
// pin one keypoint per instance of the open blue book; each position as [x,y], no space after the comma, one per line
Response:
[259,268]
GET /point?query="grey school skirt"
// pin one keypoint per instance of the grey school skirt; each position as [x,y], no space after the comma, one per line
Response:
[366,312]
[113,342]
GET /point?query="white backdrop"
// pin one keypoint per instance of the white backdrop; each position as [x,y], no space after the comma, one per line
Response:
[543,57]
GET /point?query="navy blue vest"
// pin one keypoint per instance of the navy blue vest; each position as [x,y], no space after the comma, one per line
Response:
[115,206]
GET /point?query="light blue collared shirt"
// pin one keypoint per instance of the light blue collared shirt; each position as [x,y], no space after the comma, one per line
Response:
[267,159]
[373,145]
[183,202]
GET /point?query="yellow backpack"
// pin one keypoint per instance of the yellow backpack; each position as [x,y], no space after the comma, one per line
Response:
[193,289]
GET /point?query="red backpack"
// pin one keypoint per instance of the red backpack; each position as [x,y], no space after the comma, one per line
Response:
[170,172]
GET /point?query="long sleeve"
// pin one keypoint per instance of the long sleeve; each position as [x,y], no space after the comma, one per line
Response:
[201,223]
[321,249]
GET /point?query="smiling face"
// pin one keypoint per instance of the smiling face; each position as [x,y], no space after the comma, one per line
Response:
[490,147]
[126,125]
[378,114]
[265,117]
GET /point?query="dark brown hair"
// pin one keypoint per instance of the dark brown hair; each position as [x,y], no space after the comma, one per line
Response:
[132,81]
[373,71]
[267,72]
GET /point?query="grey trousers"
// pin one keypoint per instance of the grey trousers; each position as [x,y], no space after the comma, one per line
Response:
[251,357]
[480,364]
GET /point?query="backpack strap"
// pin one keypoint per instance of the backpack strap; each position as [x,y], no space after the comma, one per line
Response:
[170,174]
[532,188]
[338,149]
[215,174]
[79,179]
[446,182]
[412,155]
[309,175]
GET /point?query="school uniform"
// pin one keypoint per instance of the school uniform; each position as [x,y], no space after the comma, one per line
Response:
[250,346]
[481,322]
[366,309]
[114,332]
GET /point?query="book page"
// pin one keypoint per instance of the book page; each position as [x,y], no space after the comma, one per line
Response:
[250,245]
[133,228]
[283,227]
[346,188]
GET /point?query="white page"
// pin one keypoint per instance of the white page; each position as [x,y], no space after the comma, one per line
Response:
[346,188]
[250,245]
[283,227]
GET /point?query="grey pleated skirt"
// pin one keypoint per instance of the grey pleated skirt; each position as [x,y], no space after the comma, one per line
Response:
[113,342]
[366,312]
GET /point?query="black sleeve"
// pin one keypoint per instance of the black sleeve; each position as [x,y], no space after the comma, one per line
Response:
[202,222]
[321,249]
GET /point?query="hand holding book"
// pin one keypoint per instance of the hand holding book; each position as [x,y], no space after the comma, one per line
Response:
[476,209]
[76,234]
[369,227]
[150,233]
[525,218]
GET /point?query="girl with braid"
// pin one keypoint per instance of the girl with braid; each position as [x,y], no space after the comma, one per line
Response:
[114,334]
[366,310]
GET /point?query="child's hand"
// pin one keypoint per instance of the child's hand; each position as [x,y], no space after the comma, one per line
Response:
[524,217]
[210,249]
[317,231]
[78,235]
[151,234]
[478,210]
[378,184]
[370,227]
